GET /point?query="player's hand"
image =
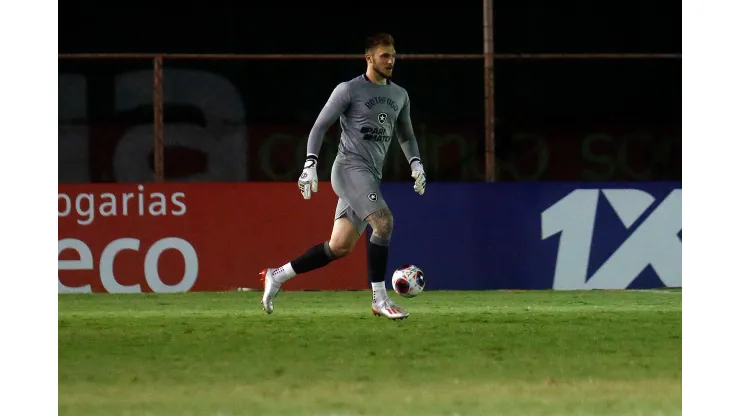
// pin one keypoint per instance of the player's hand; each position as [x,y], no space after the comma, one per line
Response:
[309,181]
[417,172]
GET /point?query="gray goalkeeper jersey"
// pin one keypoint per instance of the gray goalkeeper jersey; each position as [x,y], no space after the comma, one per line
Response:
[369,114]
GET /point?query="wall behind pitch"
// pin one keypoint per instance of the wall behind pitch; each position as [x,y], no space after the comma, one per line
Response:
[176,237]
[540,235]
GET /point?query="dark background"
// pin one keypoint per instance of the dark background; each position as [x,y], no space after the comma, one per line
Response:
[576,119]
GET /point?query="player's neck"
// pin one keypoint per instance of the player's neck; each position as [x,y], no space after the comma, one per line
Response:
[375,78]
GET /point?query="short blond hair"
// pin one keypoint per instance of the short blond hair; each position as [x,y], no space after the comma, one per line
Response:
[378,39]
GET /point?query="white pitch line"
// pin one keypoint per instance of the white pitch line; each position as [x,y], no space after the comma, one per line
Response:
[668,292]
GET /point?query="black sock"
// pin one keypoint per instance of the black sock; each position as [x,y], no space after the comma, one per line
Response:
[377,261]
[315,257]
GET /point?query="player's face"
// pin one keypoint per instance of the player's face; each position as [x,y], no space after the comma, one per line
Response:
[382,60]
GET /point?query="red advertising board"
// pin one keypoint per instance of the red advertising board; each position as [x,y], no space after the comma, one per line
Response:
[176,237]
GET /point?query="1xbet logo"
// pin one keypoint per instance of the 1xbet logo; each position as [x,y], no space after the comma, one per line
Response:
[655,241]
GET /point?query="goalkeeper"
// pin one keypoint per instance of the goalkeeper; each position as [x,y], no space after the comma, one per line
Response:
[370,109]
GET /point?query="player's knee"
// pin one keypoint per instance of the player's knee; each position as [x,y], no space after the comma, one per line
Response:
[382,223]
[344,236]
[388,226]
[340,248]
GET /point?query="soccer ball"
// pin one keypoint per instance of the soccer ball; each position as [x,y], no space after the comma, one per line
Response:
[408,281]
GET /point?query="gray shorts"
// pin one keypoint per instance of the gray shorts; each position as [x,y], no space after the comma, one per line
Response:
[359,194]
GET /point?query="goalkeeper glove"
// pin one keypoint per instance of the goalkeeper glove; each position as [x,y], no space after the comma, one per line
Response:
[309,182]
[417,172]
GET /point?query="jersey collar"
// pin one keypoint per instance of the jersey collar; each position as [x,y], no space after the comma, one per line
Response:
[364,76]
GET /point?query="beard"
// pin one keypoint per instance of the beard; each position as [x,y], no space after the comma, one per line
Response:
[384,73]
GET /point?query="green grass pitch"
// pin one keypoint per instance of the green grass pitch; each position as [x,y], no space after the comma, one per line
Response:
[324,353]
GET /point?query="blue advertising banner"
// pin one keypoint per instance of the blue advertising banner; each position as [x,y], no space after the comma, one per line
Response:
[539,235]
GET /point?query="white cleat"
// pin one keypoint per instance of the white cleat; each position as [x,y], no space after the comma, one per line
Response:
[386,307]
[272,288]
